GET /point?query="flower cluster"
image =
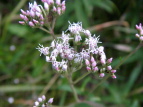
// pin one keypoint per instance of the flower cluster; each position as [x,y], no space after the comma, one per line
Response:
[76,48]
[41,102]
[39,15]
[140,29]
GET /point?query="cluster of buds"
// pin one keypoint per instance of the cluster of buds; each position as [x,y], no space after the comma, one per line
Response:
[100,65]
[39,15]
[41,102]
[72,51]
[140,29]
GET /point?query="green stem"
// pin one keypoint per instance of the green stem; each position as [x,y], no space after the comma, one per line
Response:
[52,33]
[44,30]
[8,18]
[53,23]
[69,78]
[139,46]
[80,78]
[49,85]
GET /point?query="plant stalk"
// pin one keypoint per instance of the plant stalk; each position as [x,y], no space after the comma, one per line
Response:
[80,78]
[69,78]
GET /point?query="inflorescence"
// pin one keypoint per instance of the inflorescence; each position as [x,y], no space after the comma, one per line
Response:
[41,102]
[72,51]
[140,34]
[39,15]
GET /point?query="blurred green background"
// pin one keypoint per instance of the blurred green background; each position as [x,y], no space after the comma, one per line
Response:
[24,75]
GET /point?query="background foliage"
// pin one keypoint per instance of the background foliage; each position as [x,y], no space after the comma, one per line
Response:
[24,75]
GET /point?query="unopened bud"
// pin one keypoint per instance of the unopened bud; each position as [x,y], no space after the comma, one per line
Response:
[22,22]
[109,68]
[141,38]
[88,68]
[87,62]
[31,24]
[95,69]
[43,97]
[102,61]
[109,60]
[113,71]
[36,103]
[101,75]
[23,12]
[58,2]
[114,76]
[46,6]
[137,35]
[92,59]
[40,99]
[50,100]
[94,64]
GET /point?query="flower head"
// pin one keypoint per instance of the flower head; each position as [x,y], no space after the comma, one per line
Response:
[37,14]
[63,54]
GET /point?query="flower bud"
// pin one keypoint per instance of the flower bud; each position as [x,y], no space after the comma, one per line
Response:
[88,68]
[36,103]
[22,22]
[32,14]
[40,99]
[35,21]
[22,16]
[102,61]
[109,68]
[109,60]
[137,35]
[87,62]
[95,69]
[43,97]
[50,2]
[41,17]
[37,8]
[58,2]
[114,76]
[31,24]
[59,11]
[63,9]
[113,71]
[46,6]
[23,12]
[101,75]
[54,9]
[50,100]
[92,59]
[141,38]
[94,64]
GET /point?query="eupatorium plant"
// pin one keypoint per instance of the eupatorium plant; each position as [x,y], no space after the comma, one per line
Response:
[75,48]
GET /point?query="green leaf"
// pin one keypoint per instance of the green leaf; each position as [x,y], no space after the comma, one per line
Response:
[135,73]
[80,13]
[18,29]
